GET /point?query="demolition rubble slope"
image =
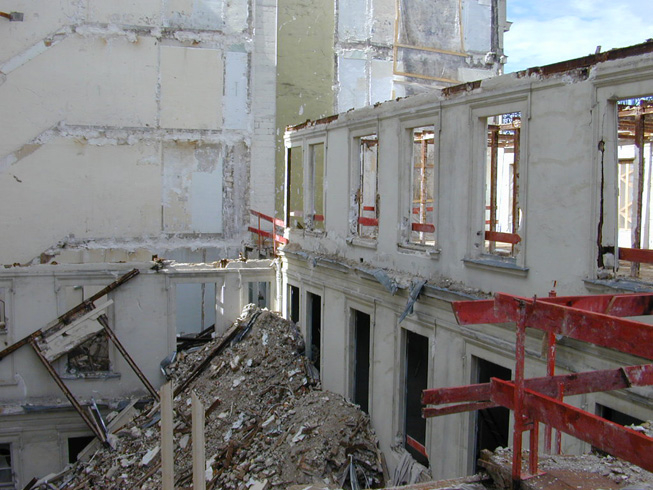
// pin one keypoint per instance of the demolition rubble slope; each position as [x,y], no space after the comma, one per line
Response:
[264,421]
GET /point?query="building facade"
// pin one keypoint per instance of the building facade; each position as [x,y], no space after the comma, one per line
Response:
[515,184]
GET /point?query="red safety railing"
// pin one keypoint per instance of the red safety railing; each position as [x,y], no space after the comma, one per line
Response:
[598,319]
[270,234]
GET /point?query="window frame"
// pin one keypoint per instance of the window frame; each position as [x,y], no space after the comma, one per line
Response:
[356,184]
[477,252]
[310,194]
[406,181]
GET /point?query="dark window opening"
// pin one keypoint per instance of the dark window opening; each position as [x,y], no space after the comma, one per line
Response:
[314,328]
[258,293]
[492,424]
[361,359]
[417,363]
[6,472]
[293,305]
[616,416]
[90,356]
[76,445]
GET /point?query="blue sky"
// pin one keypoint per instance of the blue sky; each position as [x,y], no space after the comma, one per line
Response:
[545,32]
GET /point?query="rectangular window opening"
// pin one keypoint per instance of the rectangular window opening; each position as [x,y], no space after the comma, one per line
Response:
[196,307]
[3,311]
[258,293]
[314,330]
[361,388]
[293,303]
[76,445]
[317,186]
[634,169]
[492,424]
[502,212]
[416,376]
[367,196]
[295,197]
[6,471]
[422,192]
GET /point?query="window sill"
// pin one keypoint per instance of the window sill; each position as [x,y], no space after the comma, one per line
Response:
[315,233]
[370,243]
[497,264]
[93,375]
[622,284]
[422,250]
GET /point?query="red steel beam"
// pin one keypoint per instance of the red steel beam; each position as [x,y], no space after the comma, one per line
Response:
[475,312]
[570,384]
[641,255]
[620,334]
[612,438]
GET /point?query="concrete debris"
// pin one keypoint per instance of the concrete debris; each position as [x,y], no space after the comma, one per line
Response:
[587,471]
[268,423]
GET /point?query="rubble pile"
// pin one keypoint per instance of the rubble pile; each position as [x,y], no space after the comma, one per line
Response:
[268,425]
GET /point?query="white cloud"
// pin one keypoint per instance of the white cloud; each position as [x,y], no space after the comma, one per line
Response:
[548,32]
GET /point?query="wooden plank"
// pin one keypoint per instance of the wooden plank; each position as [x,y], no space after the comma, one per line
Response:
[199,458]
[368,221]
[167,440]
[62,341]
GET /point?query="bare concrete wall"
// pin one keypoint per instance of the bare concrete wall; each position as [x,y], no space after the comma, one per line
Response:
[134,121]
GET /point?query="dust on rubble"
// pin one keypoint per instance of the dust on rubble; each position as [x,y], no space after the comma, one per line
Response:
[268,424]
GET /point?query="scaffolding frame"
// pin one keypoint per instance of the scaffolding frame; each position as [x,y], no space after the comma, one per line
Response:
[597,319]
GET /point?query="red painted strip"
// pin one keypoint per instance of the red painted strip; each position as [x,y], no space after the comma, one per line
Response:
[270,219]
[318,217]
[642,255]
[428,209]
[368,221]
[267,234]
[423,227]
[416,446]
[369,208]
[497,236]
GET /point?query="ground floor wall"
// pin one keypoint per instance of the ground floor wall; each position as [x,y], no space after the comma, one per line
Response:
[426,349]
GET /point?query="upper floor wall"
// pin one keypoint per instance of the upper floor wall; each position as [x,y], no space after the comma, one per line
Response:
[134,119]
[509,184]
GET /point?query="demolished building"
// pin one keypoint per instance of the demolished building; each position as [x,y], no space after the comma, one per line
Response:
[532,183]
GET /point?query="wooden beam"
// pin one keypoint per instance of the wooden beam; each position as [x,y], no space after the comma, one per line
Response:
[167,439]
[199,458]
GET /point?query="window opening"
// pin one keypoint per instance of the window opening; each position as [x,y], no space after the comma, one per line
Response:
[315,328]
[258,293]
[502,184]
[492,424]
[3,311]
[196,307]
[367,195]
[616,416]
[92,355]
[416,376]
[76,445]
[6,471]
[293,294]
[361,359]
[317,185]
[296,187]
[634,157]
[422,206]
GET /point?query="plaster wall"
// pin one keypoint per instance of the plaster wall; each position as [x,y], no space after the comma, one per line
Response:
[133,121]
[559,180]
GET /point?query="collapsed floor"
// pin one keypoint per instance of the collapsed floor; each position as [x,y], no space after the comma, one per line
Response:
[267,421]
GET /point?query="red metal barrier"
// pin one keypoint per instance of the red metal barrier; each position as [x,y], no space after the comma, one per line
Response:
[596,319]
[272,234]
